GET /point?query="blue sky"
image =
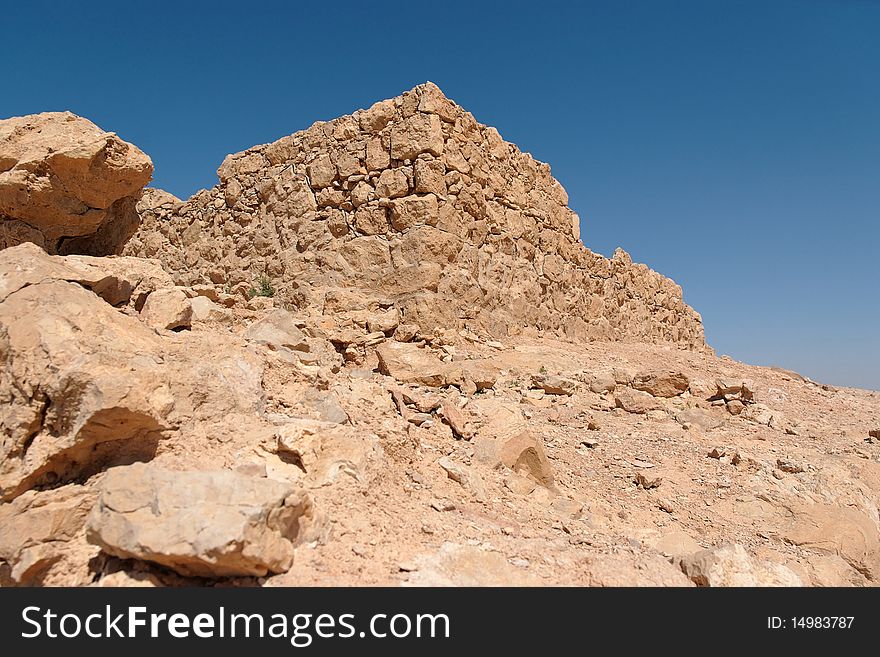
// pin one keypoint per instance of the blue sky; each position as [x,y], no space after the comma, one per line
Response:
[734,146]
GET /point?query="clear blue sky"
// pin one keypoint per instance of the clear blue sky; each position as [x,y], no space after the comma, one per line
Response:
[734,146]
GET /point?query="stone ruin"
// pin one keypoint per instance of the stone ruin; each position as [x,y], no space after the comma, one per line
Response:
[413,207]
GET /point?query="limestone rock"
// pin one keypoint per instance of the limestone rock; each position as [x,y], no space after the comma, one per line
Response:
[505,439]
[205,524]
[61,176]
[635,401]
[168,309]
[555,384]
[602,382]
[328,453]
[615,570]
[84,386]
[465,565]
[38,527]
[524,454]
[464,475]
[408,363]
[843,531]
[279,332]
[417,134]
[205,310]
[731,565]
[661,384]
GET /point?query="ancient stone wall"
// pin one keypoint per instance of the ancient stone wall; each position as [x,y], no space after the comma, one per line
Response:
[414,201]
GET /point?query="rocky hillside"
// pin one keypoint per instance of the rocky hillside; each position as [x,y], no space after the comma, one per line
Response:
[274,387]
[415,202]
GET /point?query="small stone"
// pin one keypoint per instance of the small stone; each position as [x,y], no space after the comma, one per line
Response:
[787,465]
[442,505]
[648,482]
[419,419]
[735,407]
[555,385]
[666,505]
[715,453]
[589,442]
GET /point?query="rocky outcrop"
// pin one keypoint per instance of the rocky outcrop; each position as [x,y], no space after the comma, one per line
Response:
[209,524]
[84,385]
[414,201]
[63,180]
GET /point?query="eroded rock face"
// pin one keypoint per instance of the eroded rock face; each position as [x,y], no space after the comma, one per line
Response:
[63,178]
[83,385]
[414,200]
[207,524]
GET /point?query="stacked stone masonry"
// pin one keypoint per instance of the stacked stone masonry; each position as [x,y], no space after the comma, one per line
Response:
[416,204]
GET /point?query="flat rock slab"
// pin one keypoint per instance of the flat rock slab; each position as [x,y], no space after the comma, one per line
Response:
[205,524]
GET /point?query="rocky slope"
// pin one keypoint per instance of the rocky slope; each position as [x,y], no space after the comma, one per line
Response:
[254,405]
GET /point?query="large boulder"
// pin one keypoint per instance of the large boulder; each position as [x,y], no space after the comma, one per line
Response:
[204,524]
[62,177]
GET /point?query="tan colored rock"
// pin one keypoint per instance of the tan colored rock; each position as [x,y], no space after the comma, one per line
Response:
[60,176]
[414,211]
[279,332]
[118,281]
[429,177]
[392,183]
[329,453]
[464,475]
[843,531]
[466,565]
[37,529]
[169,309]
[731,565]
[555,384]
[733,387]
[322,171]
[417,134]
[661,384]
[524,454]
[602,382]
[205,524]
[84,386]
[371,220]
[675,543]
[408,363]
[699,418]
[644,570]
[455,418]
[205,310]
[635,401]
